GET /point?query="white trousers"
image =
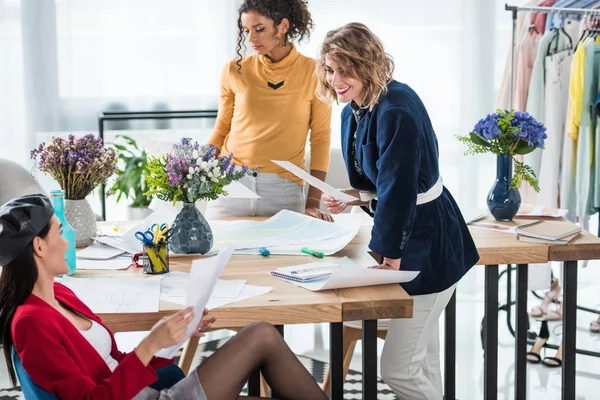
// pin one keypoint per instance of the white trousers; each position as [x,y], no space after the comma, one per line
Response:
[276,194]
[410,362]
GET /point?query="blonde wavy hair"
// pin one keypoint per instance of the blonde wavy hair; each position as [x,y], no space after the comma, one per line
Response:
[359,54]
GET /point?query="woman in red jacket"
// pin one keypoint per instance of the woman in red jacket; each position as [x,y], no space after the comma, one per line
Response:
[67,351]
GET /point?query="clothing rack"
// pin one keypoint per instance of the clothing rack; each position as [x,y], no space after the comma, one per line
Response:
[568,382]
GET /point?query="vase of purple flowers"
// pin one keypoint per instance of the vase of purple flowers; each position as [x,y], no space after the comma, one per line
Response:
[191,172]
[507,134]
[78,166]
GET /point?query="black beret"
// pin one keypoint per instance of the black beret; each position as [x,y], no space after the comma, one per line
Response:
[21,220]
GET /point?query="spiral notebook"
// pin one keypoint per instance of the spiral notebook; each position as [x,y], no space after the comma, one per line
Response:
[305,272]
[548,230]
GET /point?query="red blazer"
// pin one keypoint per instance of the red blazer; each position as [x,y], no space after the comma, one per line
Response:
[61,361]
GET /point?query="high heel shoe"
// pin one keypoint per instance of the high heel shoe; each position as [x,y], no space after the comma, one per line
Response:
[533,356]
[554,362]
[551,296]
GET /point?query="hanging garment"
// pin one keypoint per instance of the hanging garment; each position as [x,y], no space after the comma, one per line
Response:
[584,173]
[536,100]
[523,21]
[558,69]
[525,59]
[568,197]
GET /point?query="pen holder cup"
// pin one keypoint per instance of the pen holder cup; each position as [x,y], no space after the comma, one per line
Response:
[155,259]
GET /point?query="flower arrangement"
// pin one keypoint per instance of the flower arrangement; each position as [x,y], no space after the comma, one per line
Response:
[77,165]
[191,172]
[508,133]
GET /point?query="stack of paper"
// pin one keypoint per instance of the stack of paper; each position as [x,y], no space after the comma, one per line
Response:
[102,257]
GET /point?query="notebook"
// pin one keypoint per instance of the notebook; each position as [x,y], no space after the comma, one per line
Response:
[549,230]
[305,272]
[565,240]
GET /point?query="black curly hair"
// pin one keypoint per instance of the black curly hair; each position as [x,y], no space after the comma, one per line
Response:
[296,11]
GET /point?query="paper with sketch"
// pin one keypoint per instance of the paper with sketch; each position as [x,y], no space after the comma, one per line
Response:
[106,265]
[347,276]
[319,184]
[236,190]
[99,251]
[349,225]
[116,295]
[286,228]
[204,274]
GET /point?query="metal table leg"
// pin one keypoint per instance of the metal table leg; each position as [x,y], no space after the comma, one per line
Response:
[369,359]
[490,363]
[336,365]
[521,333]
[569,328]
[254,383]
[450,350]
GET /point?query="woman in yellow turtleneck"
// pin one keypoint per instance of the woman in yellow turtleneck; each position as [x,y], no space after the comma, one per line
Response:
[268,106]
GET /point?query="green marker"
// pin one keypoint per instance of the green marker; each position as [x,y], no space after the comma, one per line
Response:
[313,253]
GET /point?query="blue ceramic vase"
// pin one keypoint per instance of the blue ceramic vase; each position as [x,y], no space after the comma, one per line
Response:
[191,232]
[502,201]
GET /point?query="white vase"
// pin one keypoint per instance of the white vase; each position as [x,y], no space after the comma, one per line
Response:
[137,213]
[82,219]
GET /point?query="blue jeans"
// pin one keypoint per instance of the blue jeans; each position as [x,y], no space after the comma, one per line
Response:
[167,377]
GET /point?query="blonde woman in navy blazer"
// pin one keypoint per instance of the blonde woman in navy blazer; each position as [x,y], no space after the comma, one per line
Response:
[391,154]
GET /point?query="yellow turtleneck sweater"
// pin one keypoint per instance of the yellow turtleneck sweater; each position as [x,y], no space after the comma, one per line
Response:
[258,123]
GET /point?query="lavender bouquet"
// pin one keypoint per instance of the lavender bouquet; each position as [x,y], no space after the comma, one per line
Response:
[508,133]
[191,172]
[77,165]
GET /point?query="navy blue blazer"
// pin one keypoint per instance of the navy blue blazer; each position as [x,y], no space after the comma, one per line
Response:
[397,158]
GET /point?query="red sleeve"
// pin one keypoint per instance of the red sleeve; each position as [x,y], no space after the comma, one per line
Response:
[50,365]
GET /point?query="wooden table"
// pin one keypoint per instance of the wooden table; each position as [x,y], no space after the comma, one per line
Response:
[496,248]
[288,304]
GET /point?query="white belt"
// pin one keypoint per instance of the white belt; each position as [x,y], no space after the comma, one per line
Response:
[433,193]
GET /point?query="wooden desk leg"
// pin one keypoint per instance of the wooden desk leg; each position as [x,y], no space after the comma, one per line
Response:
[490,334]
[187,356]
[369,359]
[450,350]
[521,333]
[569,328]
[336,363]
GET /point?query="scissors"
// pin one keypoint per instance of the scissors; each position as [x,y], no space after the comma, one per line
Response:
[145,237]
[161,231]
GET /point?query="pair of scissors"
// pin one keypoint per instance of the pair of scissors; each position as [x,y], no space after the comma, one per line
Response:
[145,237]
[161,231]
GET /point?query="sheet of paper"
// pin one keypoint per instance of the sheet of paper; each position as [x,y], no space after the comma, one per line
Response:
[203,279]
[118,243]
[99,251]
[346,276]
[319,184]
[117,295]
[247,292]
[159,216]
[492,226]
[174,285]
[229,288]
[236,190]
[112,264]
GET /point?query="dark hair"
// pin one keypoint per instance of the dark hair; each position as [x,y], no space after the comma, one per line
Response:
[16,284]
[296,11]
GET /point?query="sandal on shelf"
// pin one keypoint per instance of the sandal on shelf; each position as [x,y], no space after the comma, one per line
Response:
[554,315]
[533,356]
[595,326]
[551,297]
[554,362]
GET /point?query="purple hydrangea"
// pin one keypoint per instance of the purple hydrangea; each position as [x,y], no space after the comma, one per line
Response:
[529,129]
[488,127]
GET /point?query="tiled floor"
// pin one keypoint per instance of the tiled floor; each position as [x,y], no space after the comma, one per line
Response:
[543,383]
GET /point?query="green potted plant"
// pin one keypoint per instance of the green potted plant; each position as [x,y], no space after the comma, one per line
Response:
[130,182]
